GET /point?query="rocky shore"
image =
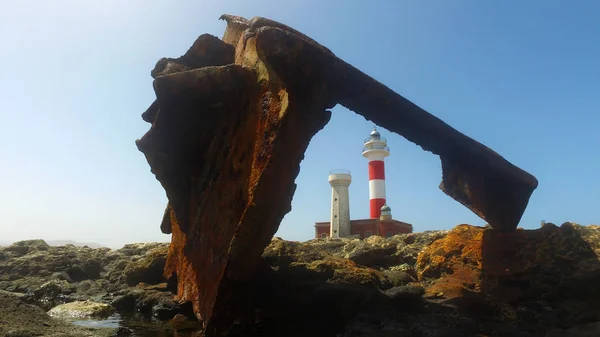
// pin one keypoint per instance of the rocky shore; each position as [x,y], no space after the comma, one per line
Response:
[70,282]
[469,281]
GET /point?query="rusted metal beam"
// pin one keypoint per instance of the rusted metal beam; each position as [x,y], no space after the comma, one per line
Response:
[473,174]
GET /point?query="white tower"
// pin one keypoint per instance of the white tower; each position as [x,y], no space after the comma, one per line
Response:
[340,203]
[375,150]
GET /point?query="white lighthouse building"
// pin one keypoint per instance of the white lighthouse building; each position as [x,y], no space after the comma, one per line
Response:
[340,203]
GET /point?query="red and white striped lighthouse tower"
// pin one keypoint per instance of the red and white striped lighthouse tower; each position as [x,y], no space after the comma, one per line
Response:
[375,150]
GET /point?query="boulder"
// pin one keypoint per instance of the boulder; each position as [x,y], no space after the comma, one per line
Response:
[51,294]
[82,309]
[156,301]
[148,269]
[404,294]
[398,277]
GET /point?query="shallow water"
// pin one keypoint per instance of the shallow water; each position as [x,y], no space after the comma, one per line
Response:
[139,325]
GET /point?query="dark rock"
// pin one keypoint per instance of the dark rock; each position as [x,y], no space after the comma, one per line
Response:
[181,322]
[154,301]
[149,269]
[122,332]
[398,278]
[88,269]
[51,294]
[586,330]
[405,293]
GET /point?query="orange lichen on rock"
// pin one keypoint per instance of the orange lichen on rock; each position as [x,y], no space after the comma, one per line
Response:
[454,261]
[510,267]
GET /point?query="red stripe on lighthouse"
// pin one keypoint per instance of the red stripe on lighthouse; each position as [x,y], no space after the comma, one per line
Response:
[376,170]
[376,187]
[375,207]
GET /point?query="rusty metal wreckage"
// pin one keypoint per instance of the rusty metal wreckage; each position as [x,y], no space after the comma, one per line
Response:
[230,125]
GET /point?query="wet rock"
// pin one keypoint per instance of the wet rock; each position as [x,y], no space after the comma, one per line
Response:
[122,332]
[81,309]
[51,294]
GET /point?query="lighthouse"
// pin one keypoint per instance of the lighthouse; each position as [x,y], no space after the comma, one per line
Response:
[340,203]
[375,149]
[380,222]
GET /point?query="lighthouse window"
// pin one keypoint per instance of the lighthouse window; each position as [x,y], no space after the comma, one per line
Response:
[335,216]
[334,199]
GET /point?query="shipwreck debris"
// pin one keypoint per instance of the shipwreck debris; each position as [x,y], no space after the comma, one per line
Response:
[230,125]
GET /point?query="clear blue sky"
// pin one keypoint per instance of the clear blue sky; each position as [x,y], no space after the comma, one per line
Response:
[522,77]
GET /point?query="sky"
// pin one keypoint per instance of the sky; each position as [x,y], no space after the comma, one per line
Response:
[522,77]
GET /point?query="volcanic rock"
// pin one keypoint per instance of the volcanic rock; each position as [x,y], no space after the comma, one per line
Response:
[151,300]
[53,275]
[550,275]
[149,269]
[470,281]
